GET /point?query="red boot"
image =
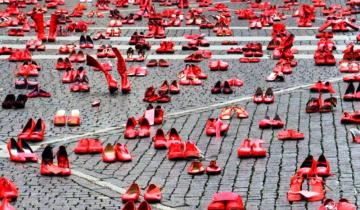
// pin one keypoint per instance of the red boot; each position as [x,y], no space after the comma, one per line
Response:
[121,67]
[53,27]
[38,18]
[112,84]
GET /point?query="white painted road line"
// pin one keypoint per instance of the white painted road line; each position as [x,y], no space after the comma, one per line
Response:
[177,57]
[179,47]
[182,39]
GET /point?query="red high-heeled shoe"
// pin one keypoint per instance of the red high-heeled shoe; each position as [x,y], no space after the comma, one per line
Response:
[308,167]
[112,84]
[146,206]
[130,132]
[8,189]
[38,132]
[27,129]
[158,115]
[47,166]
[122,153]
[153,194]
[63,161]
[5,205]
[144,128]
[109,154]
[159,139]
[322,166]
[213,168]
[132,193]
[129,206]
[15,152]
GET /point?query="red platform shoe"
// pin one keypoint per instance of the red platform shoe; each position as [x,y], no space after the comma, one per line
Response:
[132,193]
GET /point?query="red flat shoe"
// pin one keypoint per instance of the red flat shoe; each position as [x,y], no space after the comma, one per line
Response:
[122,153]
[174,87]
[308,167]
[60,118]
[164,88]
[290,135]
[226,113]
[317,188]
[152,63]
[257,148]
[245,149]
[152,194]
[130,132]
[240,112]
[129,206]
[175,151]
[191,150]
[109,154]
[196,168]
[163,63]
[8,190]
[235,82]
[63,161]
[213,168]
[95,146]
[144,130]
[159,139]
[348,118]
[322,166]
[143,206]
[132,193]
[295,187]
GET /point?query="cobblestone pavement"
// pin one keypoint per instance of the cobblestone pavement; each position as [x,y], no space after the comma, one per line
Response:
[262,182]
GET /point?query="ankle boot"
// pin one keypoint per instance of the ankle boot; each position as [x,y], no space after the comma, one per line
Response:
[53,27]
[112,84]
[39,22]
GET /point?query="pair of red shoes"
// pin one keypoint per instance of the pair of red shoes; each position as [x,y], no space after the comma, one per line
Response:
[343,204]
[88,146]
[70,74]
[105,51]
[48,168]
[81,84]
[130,129]
[155,116]
[253,49]
[166,47]
[227,112]
[29,69]
[180,150]
[251,148]
[275,123]
[351,94]
[18,55]
[284,66]
[216,127]
[138,71]
[290,134]
[131,206]
[152,193]
[150,96]
[33,45]
[160,140]
[191,75]
[33,131]
[324,57]
[323,87]
[349,66]
[311,167]
[8,190]
[197,168]
[260,97]
[218,65]
[226,201]
[111,154]
[318,105]
[315,193]
[78,57]
[20,151]
[172,88]
[160,63]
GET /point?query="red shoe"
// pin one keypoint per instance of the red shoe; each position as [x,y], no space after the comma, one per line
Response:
[356,135]
[226,113]
[130,132]
[53,27]
[129,206]
[328,204]
[219,205]
[27,129]
[175,151]
[240,112]
[122,153]
[47,166]
[316,188]
[143,206]
[164,88]
[144,131]
[322,166]
[196,168]
[290,135]
[38,18]
[191,150]
[245,149]
[28,153]
[5,205]
[82,147]
[132,193]
[109,154]
[150,95]
[232,201]
[174,136]
[215,127]
[8,190]
[38,92]
[74,118]
[344,204]
[63,161]
[15,152]
[295,187]
[257,149]
[152,194]
[348,118]
[308,167]
[158,115]
[269,96]
[95,146]
[322,87]
[174,87]
[159,139]
[258,96]
[38,131]
[213,168]
[60,118]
